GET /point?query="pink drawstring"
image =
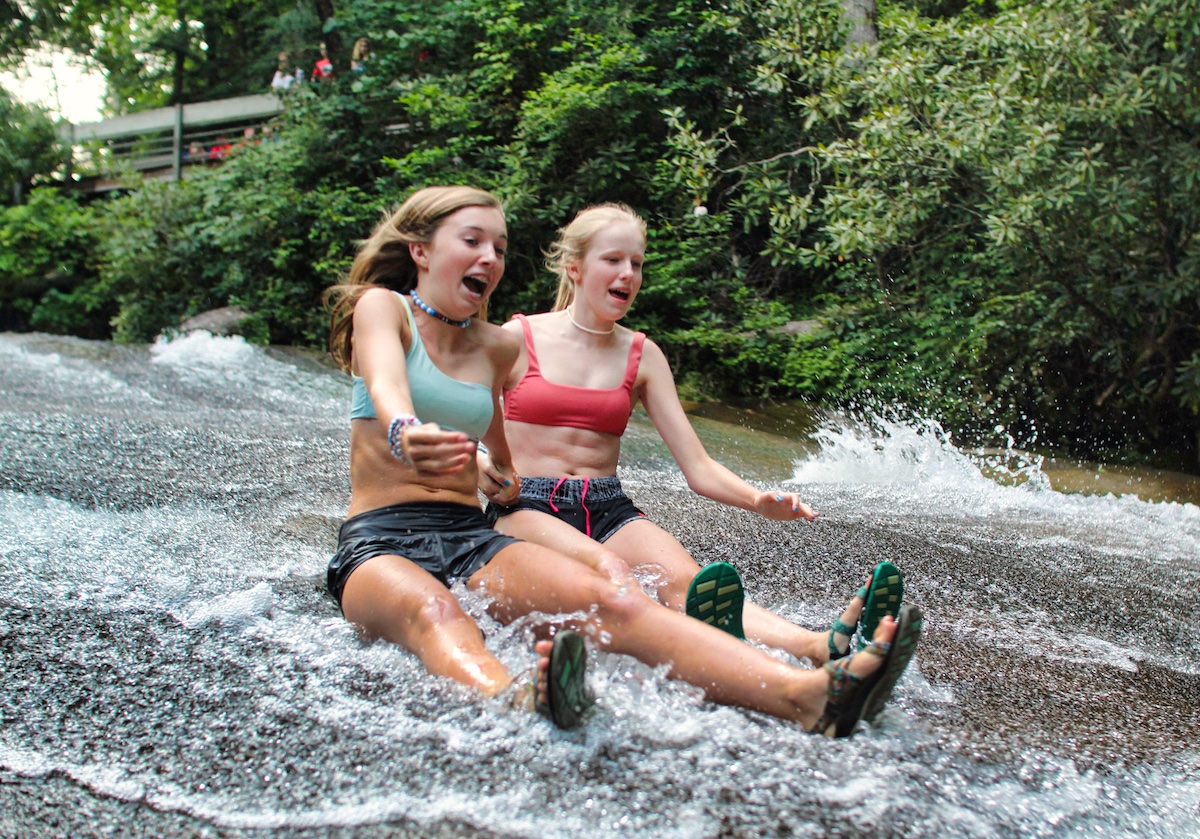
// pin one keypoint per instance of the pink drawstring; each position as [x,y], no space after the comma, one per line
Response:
[561,481]
[587,514]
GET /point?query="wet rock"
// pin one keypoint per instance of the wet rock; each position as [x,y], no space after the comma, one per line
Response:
[227,320]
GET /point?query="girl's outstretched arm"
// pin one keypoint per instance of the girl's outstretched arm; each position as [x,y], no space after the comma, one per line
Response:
[705,476]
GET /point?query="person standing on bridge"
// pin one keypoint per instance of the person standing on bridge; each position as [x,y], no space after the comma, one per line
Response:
[285,74]
[323,69]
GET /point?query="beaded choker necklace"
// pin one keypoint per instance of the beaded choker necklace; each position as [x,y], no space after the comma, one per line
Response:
[578,325]
[434,313]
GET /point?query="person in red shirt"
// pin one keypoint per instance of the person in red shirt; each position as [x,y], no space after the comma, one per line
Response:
[323,69]
[220,149]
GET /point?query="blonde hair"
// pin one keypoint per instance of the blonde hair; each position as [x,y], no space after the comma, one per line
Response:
[361,47]
[575,239]
[383,259]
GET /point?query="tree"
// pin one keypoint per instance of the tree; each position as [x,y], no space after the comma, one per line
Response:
[28,146]
[1024,194]
[860,18]
[154,54]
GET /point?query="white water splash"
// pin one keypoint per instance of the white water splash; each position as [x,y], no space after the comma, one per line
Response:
[200,350]
[232,361]
[914,471]
[921,451]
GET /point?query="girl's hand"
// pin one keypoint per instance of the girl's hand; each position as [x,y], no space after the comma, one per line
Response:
[783,506]
[500,485]
[430,450]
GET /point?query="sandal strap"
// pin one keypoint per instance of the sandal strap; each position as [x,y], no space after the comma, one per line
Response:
[840,680]
[879,649]
[839,628]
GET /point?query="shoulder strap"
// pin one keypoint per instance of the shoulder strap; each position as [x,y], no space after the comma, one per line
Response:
[412,322]
[532,366]
[635,359]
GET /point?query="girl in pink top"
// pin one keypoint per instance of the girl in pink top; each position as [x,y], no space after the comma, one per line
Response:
[566,404]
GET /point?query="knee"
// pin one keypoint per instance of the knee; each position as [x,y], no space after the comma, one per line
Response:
[670,589]
[613,567]
[435,612]
[621,603]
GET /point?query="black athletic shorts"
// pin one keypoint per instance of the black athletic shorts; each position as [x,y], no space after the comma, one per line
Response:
[450,541]
[596,507]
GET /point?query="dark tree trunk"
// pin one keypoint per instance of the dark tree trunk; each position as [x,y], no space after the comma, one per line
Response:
[332,38]
[178,77]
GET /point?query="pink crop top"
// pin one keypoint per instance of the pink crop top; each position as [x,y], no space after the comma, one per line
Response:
[540,402]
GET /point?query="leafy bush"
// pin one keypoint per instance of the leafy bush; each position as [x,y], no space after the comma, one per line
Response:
[244,234]
[996,221]
[1030,201]
[48,262]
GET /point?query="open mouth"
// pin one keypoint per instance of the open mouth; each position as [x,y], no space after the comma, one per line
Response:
[475,285]
[620,295]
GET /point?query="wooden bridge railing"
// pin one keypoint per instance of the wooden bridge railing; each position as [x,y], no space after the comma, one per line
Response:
[161,142]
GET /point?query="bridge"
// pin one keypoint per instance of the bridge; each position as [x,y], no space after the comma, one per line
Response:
[162,143]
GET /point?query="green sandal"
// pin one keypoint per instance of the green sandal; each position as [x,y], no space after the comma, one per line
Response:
[566,681]
[836,652]
[883,597]
[909,626]
[851,699]
[716,596]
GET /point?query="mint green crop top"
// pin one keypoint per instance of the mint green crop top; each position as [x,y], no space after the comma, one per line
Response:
[455,405]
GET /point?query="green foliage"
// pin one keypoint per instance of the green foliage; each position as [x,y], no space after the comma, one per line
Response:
[28,145]
[555,106]
[1028,195]
[994,221]
[989,216]
[47,265]
[252,233]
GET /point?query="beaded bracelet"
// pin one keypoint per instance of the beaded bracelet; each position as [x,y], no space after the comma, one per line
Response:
[396,435]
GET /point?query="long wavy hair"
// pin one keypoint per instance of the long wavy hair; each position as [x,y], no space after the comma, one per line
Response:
[383,260]
[575,239]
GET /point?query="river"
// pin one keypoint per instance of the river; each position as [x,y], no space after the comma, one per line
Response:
[173,667]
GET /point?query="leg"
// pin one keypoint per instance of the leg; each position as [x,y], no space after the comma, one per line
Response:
[544,529]
[526,578]
[645,546]
[391,598]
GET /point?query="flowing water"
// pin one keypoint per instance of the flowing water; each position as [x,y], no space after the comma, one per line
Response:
[173,667]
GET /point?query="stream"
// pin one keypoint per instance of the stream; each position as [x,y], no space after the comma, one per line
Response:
[173,667]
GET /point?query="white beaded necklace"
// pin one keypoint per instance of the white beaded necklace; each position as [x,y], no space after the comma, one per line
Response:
[578,325]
